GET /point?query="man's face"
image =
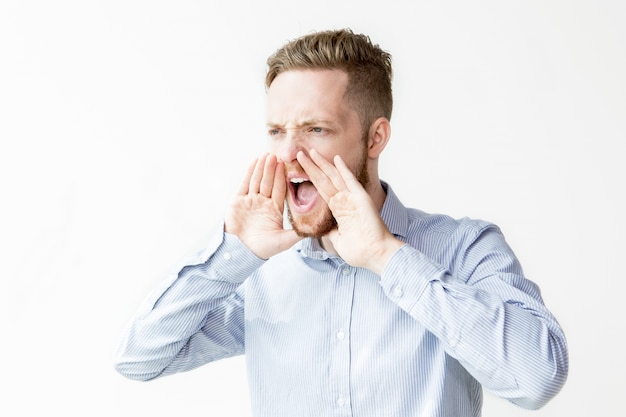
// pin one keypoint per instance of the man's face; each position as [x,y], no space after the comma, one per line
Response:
[307,110]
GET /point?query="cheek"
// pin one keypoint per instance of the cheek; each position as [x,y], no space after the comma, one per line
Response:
[278,149]
[273,145]
[353,158]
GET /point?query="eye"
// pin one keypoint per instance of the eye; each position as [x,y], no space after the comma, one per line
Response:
[274,132]
[316,129]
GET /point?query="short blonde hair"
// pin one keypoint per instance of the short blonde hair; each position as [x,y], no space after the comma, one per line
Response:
[367,65]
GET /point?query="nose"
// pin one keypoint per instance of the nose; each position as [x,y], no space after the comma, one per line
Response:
[289,145]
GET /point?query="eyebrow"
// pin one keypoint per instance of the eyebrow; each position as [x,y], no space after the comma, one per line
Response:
[305,123]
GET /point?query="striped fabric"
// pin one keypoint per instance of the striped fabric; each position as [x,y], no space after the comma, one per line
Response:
[451,313]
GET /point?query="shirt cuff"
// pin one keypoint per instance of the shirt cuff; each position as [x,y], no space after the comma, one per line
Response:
[232,261]
[407,275]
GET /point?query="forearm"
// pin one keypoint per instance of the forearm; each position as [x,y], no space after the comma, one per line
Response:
[195,308]
[504,337]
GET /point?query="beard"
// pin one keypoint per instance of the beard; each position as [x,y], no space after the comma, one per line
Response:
[319,224]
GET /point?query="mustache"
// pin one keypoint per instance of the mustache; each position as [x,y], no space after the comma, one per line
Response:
[293,169]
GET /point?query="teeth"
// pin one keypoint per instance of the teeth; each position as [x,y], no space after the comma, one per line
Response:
[298,180]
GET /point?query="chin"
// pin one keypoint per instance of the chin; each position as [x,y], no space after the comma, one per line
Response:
[312,225]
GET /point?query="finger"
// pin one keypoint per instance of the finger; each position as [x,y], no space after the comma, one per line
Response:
[269,171]
[329,169]
[245,183]
[280,184]
[320,180]
[257,175]
[352,184]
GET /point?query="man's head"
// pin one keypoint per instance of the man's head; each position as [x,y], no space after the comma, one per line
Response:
[329,91]
[368,67]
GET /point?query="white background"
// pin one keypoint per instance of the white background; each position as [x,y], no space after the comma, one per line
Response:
[125,127]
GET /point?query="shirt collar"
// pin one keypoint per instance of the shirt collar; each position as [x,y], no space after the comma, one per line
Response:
[393,213]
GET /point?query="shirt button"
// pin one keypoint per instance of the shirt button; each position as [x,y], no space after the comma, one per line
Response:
[345,271]
[227,256]
[397,292]
[341,401]
[341,335]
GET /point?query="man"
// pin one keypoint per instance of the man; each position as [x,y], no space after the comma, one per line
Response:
[363,307]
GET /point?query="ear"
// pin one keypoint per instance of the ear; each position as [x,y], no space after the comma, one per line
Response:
[379,135]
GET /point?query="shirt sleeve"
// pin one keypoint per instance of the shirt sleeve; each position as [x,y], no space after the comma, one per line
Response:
[194,317]
[487,316]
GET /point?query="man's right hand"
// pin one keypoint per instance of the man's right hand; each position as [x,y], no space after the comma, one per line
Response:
[256,214]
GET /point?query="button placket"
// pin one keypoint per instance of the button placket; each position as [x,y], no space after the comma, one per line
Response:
[339,331]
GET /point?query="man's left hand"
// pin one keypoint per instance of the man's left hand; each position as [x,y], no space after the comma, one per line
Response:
[361,238]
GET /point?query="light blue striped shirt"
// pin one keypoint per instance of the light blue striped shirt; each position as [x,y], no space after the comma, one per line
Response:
[451,312]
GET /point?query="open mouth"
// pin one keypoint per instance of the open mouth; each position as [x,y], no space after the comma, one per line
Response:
[303,193]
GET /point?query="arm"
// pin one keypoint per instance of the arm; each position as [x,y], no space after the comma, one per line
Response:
[488,316]
[196,316]
[192,319]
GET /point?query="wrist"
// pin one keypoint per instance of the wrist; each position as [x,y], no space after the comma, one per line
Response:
[387,248]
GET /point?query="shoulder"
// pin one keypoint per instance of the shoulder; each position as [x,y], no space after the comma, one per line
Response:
[446,225]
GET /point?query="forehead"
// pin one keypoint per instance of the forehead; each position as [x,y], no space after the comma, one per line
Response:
[307,94]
